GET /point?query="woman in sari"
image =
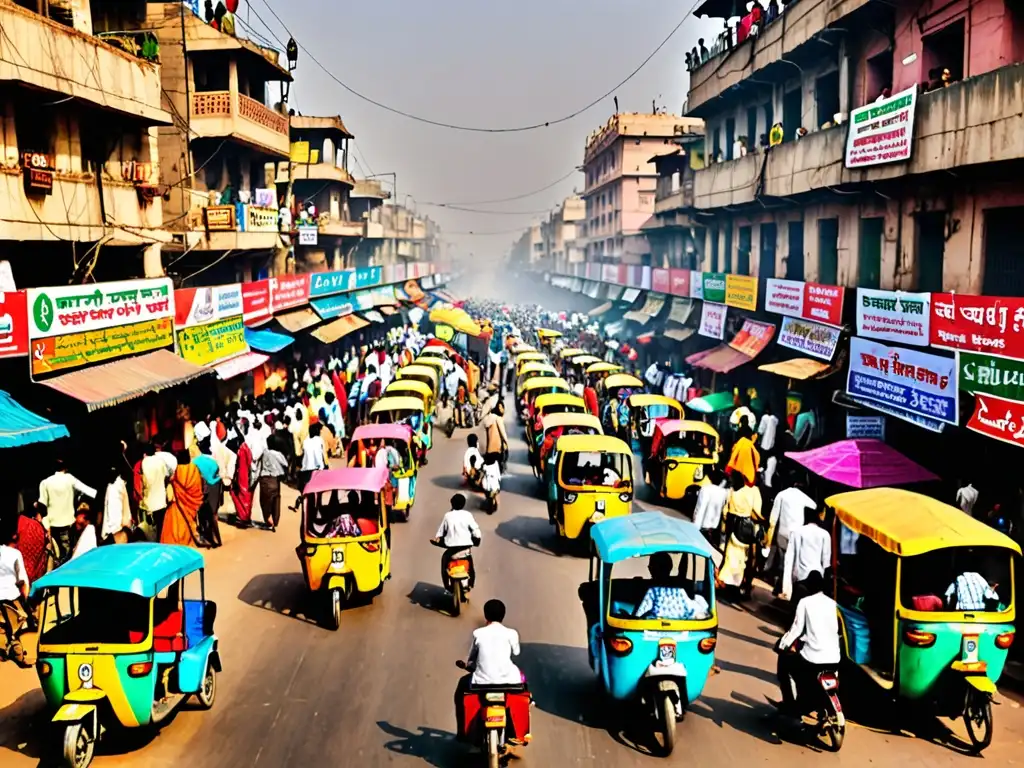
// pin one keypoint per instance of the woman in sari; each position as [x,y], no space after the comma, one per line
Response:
[242,485]
[181,521]
[744,458]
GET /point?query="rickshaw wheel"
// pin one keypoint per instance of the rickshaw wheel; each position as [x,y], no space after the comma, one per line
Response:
[978,720]
[208,691]
[78,746]
[667,723]
[335,608]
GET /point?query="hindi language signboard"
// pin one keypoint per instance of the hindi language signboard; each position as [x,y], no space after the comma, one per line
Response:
[741,291]
[990,324]
[882,132]
[998,418]
[73,350]
[75,308]
[712,320]
[998,376]
[894,316]
[813,338]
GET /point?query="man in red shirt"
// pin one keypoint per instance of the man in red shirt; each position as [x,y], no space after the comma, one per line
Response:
[32,543]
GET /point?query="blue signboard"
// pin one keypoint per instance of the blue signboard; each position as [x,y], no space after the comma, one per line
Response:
[327,283]
[367,276]
[334,306]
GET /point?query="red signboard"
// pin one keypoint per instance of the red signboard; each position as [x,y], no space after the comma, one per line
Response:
[661,282]
[752,338]
[679,282]
[13,324]
[998,418]
[289,291]
[990,324]
[823,303]
[256,302]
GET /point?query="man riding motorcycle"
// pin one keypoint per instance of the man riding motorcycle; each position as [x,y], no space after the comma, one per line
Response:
[458,534]
[816,626]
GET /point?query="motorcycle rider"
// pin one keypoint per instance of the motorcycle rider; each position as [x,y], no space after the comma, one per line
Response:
[816,624]
[458,533]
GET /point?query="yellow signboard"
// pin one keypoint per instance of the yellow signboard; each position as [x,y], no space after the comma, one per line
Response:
[212,342]
[73,350]
[741,291]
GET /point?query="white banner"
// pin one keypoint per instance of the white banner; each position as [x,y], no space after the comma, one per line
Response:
[696,285]
[894,316]
[712,320]
[75,308]
[882,132]
[785,297]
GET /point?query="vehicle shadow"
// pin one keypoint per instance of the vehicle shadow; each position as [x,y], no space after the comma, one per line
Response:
[287,594]
[433,597]
[722,631]
[24,725]
[431,745]
[450,482]
[535,534]
[740,712]
[562,683]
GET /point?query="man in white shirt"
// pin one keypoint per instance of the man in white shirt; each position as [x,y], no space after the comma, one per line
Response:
[14,586]
[786,517]
[471,469]
[155,474]
[967,497]
[766,430]
[711,500]
[809,550]
[490,658]
[86,533]
[57,495]
[817,626]
[458,533]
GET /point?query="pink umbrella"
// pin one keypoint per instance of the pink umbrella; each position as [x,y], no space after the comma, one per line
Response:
[862,464]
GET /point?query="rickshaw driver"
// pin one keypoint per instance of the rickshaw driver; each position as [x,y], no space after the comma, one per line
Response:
[665,602]
[816,624]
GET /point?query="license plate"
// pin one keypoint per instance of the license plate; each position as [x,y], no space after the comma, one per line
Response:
[599,506]
[666,654]
[338,556]
[969,649]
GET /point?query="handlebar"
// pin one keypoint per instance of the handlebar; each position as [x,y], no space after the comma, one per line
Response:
[462,665]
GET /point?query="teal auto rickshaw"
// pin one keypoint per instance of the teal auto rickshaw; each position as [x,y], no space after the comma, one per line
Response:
[127,636]
[651,651]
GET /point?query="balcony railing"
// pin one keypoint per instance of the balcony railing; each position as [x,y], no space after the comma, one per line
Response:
[211,104]
[222,113]
[253,110]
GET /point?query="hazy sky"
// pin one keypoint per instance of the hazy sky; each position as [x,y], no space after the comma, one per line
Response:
[482,63]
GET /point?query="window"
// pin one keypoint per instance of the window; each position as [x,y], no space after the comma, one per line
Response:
[869,252]
[1004,252]
[34,127]
[828,251]
[940,574]
[826,97]
[766,256]
[751,128]
[879,74]
[727,253]
[730,138]
[714,249]
[716,145]
[743,252]
[769,119]
[792,116]
[930,231]
[943,50]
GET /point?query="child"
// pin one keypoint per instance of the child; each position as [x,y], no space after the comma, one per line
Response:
[491,482]
[472,461]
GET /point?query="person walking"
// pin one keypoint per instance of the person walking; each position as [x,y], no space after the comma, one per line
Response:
[116,520]
[57,497]
[213,494]
[495,437]
[810,549]
[155,474]
[242,484]
[181,523]
[275,466]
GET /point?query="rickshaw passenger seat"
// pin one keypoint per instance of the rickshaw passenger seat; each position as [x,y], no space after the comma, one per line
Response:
[167,635]
[194,620]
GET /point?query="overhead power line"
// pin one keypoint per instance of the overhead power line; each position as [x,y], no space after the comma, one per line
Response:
[480,129]
[545,188]
[461,209]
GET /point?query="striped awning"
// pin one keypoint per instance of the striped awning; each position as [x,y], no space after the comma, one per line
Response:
[236,366]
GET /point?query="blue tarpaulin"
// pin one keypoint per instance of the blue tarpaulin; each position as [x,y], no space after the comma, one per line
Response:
[19,426]
[267,341]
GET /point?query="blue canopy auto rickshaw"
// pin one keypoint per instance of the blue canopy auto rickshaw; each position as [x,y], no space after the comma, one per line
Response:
[658,662]
[127,635]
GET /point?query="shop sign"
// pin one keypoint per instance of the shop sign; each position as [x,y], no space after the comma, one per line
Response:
[696,285]
[220,218]
[741,291]
[38,168]
[714,286]
[622,274]
[913,418]
[997,376]
[367,276]
[594,271]
[383,296]
[862,427]
[75,308]
[912,381]
[990,324]
[213,342]
[752,337]
[73,350]
[308,235]
[333,306]
[13,323]
[679,282]
[883,131]
[327,283]
[196,306]
[784,297]
[265,198]
[661,281]
[289,291]
[256,301]
[811,301]
[893,316]
[712,320]
[609,273]
[812,338]
[998,418]
[634,276]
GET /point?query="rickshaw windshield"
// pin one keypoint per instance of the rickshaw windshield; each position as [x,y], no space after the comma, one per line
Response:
[664,585]
[975,579]
[586,468]
[341,514]
[94,617]
[690,445]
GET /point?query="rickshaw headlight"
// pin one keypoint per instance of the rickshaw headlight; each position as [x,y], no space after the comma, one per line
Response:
[707,645]
[85,672]
[140,669]
[919,639]
[569,498]
[45,669]
[620,646]
[698,473]
[1004,640]
[625,496]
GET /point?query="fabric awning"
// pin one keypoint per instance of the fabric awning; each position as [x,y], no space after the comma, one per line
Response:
[19,426]
[126,379]
[799,368]
[862,463]
[298,319]
[236,366]
[721,359]
[374,316]
[714,403]
[679,334]
[600,310]
[637,317]
[267,341]
[334,330]
[389,310]
[747,344]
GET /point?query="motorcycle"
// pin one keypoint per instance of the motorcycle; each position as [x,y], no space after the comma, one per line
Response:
[497,718]
[821,698]
[457,572]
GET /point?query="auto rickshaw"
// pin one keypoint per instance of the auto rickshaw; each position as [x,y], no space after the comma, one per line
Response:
[682,455]
[554,426]
[406,410]
[925,595]
[369,438]
[546,336]
[522,347]
[644,411]
[590,478]
[534,387]
[345,544]
[577,364]
[419,372]
[533,369]
[127,636]
[411,388]
[658,663]
[530,357]
[617,381]
[547,405]
[601,370]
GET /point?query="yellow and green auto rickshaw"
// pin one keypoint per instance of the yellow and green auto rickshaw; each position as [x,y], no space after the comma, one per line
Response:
[530,357]
[577,364]
[411,388]
[601,370]
[619,381]
[926,601]
[589,478]
[534,387]
[553,427]
[533,369]
[546,336]
[682,455]
[368,439]
[546,405]
[644,411]
[406,409]
[425,373]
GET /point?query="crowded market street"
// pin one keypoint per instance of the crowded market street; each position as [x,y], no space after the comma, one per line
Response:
[378,691]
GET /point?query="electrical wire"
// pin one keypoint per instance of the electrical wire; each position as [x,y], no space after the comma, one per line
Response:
[479,129]
[545,188]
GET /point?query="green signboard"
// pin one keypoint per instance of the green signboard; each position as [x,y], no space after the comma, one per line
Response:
[992,375]
[714,287]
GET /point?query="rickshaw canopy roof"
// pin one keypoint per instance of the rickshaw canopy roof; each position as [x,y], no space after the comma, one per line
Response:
[457,318]
[440,343]
[553,420]
[571,352]
[603,367]
[347,479]
[137,569]
[530,355]
[431,361]
[383,432]
[907,523]
[644,533]
[643,399]
[584,359]
[673,426]
[547,333]
[592,444]
[408,385]
[418,369]
[434,352]
[544,381]
[522,349]
[622,380]
[537,365]
[397,404]
[558,398]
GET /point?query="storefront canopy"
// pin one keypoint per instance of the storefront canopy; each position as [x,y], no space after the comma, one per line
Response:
[374,316]
[236,366]
[600,310]
[798,369]
[458,319]
[267,341]
[719,401]
[19,426]
[336,329]
[747,344]
[652,306]
[298,319]
[679,334]
[126,379]
[862,464]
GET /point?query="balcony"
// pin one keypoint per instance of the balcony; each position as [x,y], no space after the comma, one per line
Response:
[47,55]
[338,228]
[241,226]
[225,114]
[976,121]
[314,172]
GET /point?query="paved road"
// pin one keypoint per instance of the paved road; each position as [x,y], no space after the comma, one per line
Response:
[378,692]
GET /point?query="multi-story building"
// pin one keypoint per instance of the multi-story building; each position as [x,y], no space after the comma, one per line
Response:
[924,194]
[675,234]
[563,234]
[620,183]
[529,248]
[80,186]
